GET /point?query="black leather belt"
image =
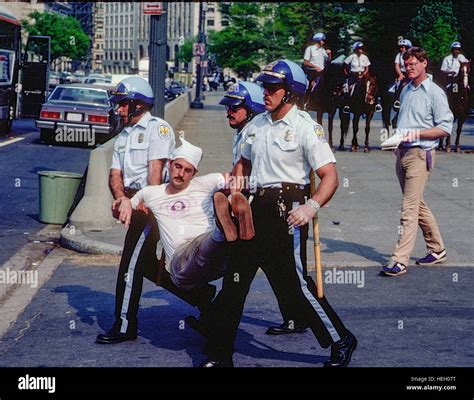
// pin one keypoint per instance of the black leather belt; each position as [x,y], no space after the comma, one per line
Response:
[285,188]
[130,192]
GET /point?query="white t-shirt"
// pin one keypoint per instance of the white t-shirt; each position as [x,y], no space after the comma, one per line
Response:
[316,56]
[357,63]
[182,216]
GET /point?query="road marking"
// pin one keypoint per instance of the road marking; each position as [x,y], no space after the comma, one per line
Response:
[10,141]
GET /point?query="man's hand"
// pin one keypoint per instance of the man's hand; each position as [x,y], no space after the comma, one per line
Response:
[141,207]
[301,216]
[122,208]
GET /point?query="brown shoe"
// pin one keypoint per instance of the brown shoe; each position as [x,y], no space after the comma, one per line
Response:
[223,218]
[242,211]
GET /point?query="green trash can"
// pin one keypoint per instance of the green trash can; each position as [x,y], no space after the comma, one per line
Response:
[57,190]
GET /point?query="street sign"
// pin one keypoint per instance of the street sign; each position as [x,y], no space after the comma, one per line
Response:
[199,49]
[153,8]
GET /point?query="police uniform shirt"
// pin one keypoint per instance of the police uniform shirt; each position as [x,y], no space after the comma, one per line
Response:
[238,144]
[424,107]
[451,65]
[357,63]
[400,61]
[316,56]
[151,138]
[285,150]
[185,215]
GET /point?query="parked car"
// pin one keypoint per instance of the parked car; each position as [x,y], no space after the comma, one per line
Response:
[54,79]
[78,114]
[96,80]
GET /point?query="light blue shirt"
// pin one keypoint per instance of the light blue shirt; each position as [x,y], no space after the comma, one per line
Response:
[285,150]
[239,139]
[424,107]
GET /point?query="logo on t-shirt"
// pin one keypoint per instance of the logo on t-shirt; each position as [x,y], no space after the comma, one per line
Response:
[178,208]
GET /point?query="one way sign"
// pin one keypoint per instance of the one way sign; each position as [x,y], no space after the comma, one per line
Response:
[154,8]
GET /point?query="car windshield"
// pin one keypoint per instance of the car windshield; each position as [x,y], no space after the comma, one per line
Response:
[80,95]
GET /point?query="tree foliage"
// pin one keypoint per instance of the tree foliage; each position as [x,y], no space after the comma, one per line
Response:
[67,36]
[185,53]
[435,27]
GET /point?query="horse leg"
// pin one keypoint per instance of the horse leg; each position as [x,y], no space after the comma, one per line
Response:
[355,129]
[319,117]
[344,128]
[461,121]
[367,130]
[448,138]
[330,126]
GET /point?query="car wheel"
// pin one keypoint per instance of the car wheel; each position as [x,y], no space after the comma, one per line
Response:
[47,135]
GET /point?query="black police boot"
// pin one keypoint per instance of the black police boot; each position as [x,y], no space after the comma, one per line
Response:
[114,336]
[286,328]
[341,352]
[216,364]
[199,325]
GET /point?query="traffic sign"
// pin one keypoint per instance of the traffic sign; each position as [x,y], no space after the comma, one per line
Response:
[153,8]
[199,49]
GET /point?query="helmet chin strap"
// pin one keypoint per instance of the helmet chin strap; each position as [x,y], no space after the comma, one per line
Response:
[133,111]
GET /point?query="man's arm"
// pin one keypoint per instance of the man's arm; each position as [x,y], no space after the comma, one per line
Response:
[155,171]
[324,192]
[242,168]
[116,183]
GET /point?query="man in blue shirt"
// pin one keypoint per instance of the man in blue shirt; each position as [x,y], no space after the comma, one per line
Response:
[424,118]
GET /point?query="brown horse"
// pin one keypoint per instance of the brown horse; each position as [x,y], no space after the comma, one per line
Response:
[326,97]
[458,91]
[362,102]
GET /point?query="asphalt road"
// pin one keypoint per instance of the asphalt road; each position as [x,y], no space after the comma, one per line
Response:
[19,192]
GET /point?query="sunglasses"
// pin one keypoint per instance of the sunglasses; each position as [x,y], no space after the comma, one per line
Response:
[272,87]
[234,108]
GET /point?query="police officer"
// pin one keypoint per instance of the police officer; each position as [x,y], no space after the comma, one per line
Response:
[452,63]
[356,66]
[400,70]
[283,144]
[243,102]
[140,154]
[315,60]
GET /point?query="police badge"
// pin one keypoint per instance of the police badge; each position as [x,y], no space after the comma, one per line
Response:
[289,136]
[141,138]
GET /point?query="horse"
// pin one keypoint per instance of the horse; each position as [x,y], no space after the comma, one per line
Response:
[362,102]
[458,91]
[325,97]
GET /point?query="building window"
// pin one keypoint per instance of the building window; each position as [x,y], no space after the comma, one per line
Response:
[210,22]
[224,22]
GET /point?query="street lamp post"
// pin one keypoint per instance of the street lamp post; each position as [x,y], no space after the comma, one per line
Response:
[197,103]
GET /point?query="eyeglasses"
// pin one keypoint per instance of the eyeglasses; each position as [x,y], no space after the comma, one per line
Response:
[411,65]
[234,108]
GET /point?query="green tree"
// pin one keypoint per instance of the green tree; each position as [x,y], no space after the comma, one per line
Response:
[434,28]
[185,53]
[67,36]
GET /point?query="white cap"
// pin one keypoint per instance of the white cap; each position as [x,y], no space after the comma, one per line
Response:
[188,152]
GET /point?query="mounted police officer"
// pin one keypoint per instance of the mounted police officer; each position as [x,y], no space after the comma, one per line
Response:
[315,60]
[452,63]
[282,145]
[400,70]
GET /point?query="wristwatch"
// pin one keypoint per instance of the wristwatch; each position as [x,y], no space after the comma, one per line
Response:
[314,204]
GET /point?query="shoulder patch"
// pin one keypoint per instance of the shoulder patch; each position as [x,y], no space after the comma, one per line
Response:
[319,132]
[163,131]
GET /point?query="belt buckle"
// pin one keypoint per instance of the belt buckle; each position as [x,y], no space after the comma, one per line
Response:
[261,192]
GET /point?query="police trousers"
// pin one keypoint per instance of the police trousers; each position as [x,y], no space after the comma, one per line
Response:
[282,252]
[138,261]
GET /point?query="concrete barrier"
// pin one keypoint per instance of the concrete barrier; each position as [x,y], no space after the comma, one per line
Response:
[93,211]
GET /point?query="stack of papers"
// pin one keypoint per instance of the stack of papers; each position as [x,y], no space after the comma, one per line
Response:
[392,142]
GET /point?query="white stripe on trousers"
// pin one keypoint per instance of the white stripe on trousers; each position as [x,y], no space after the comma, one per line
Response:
[304,285]
[129,279]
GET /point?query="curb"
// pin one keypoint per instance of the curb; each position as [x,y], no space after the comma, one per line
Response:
[79,242]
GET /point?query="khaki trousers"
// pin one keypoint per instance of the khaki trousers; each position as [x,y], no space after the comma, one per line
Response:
[412,172]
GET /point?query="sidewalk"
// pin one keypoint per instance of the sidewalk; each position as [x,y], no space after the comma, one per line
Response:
[359,226]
